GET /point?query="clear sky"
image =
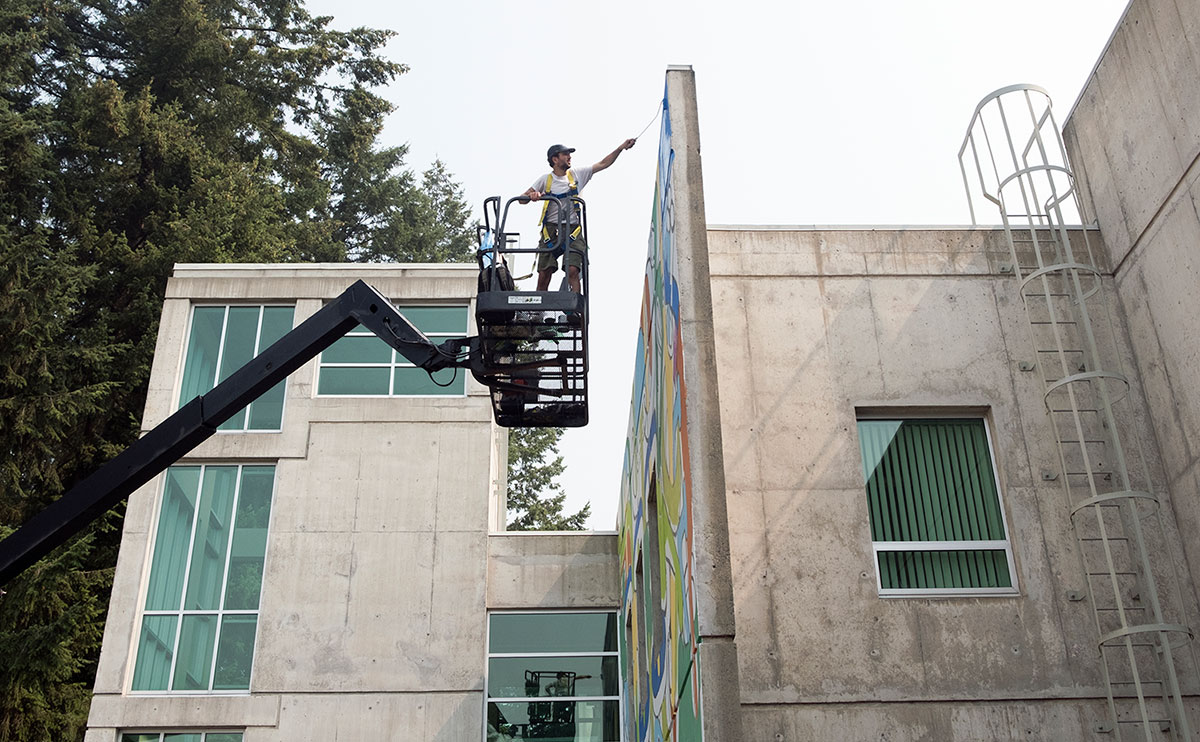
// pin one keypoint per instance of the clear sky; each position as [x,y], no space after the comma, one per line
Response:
[827,113]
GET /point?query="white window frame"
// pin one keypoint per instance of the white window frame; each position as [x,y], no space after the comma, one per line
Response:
[989,545]
[221,355]
[489,655]
[401,362]
[220,613]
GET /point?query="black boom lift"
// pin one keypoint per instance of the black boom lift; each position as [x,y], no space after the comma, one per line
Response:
[536,370]
[532,344]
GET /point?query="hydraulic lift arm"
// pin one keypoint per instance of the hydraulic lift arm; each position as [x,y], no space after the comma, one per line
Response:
[199,419]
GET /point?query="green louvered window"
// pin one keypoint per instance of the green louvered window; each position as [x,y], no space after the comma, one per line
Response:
[936,522]
[362,365]
[222,340]
[200,618]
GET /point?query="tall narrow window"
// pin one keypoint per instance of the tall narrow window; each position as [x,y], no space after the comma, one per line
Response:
[937,526]
[360,364]
[222,340]
[201,611]
[553,676]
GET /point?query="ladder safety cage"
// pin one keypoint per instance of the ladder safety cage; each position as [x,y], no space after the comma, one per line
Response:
[532,344]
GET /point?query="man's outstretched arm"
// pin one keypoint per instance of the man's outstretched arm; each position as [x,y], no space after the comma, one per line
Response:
[611,157]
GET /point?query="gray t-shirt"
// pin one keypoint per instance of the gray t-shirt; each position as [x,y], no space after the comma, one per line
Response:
[561,184]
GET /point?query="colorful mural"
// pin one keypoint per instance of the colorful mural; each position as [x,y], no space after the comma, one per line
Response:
[659,642]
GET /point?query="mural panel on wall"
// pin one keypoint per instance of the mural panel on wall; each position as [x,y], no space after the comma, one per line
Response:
[659,637]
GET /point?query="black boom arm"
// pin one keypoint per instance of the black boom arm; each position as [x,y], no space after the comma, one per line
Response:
[199,419]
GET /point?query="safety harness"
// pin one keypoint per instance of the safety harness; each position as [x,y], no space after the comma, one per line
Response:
[572,190]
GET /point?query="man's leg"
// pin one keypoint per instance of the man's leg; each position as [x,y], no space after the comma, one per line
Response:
[547,264]
[573,260]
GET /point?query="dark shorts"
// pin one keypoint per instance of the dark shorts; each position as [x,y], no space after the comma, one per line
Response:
[548,261]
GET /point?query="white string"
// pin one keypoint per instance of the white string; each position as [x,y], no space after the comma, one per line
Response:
[657,113]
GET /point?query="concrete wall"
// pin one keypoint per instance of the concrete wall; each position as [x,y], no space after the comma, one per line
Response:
[812,326]
[375,594]
[1134,144]
[678,637]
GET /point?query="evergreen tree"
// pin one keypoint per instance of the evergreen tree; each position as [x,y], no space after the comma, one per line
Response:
[134,135]
[535,499]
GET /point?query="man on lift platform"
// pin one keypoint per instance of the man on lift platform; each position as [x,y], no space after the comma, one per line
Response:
[564,180]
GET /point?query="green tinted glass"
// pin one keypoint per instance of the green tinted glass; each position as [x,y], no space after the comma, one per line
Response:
[528,633]
[410,380]
[196,640]
[556,721]
[358,349]
[266,412]
[182,737]
[204,347]
[930,480]
[211,542]
[249,538]
[944,569]
[276,322]
[358,381]
[173,538]
[445,320]
[223,737]
[519,677]
[140,737]
[235,653]
[156,646]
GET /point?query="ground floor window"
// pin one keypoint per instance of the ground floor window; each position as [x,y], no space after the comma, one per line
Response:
[553,676]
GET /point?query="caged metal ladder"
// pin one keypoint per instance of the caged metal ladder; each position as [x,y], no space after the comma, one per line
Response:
[1014,149]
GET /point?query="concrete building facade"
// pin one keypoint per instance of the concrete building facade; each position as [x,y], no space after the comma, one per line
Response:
[381,555]
[845,511]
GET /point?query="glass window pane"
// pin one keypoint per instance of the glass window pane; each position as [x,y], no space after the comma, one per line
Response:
[929,480]
[237,422]
[204,344]
[266,412]
[449,320]
[524,633]
[171,542]
[195,653]
[211,541]
[154,737]
[241,337]
[516,677]
[249,538]
[235,653]
[276,322]
[944,569]
[358,349]
[223,737]
[354,381]
[412,380]
[556,721]
[182,737]
[156,647]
